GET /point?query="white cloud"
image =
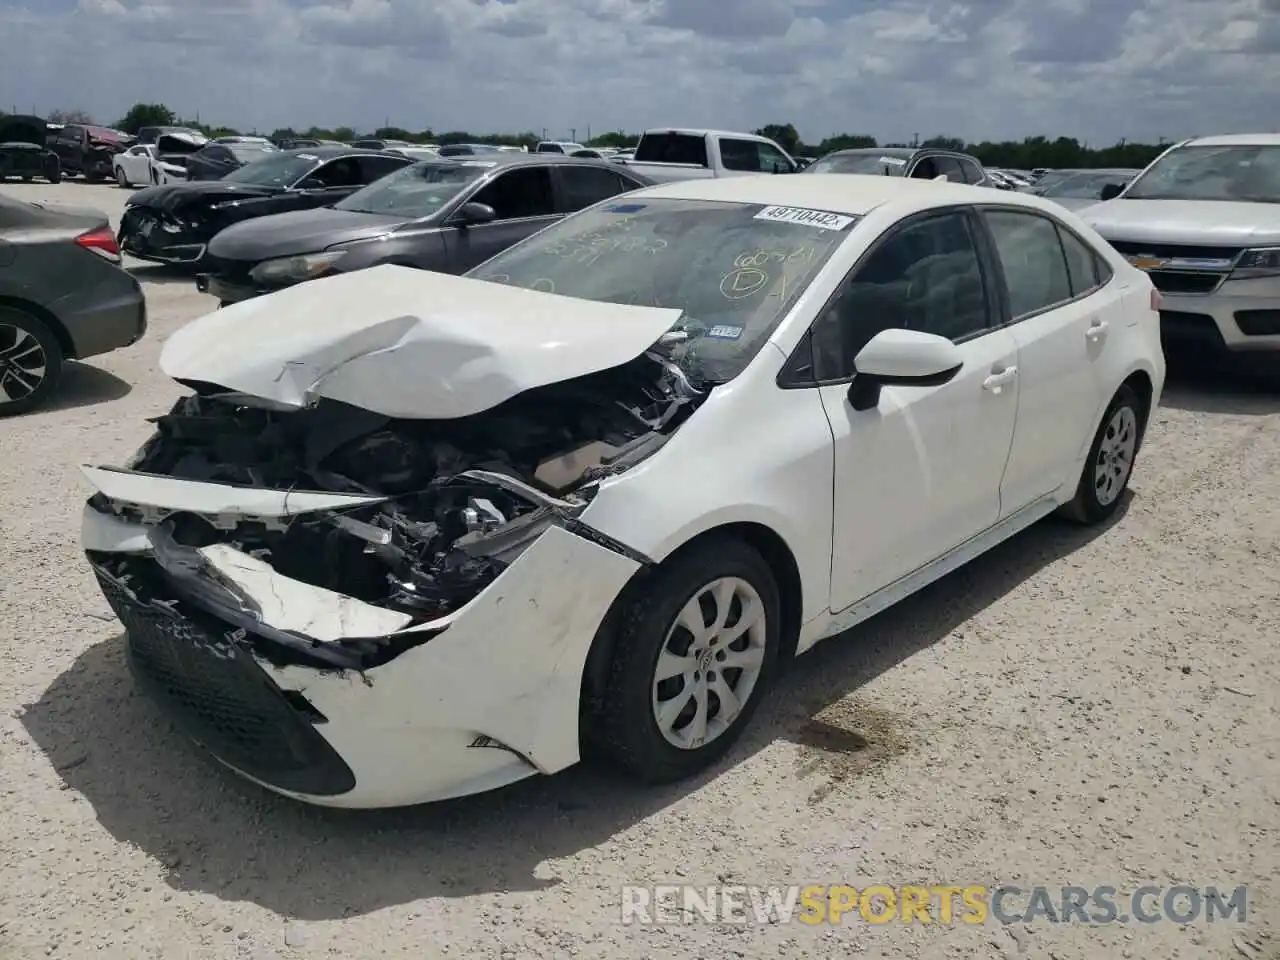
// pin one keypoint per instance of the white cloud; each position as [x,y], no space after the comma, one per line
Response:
[974,68]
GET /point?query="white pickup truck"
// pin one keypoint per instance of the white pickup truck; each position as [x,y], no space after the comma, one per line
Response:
[671,154]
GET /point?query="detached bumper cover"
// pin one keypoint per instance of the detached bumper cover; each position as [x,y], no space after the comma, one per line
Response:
[481,698]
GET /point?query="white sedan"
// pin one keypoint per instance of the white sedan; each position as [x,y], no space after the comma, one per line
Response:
[413,536]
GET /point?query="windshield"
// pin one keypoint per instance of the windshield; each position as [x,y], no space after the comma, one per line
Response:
[249,152]
[276,170]
[735,269]
[415,191]
[1212,173]
[1085,185]
[873,163]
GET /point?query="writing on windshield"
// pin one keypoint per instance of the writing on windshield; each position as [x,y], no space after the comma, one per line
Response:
[734,270]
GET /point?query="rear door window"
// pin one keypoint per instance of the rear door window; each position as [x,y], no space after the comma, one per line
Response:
[972,172]
[375,168]
[950,168]
[518,194]
[583,186]
[672,148]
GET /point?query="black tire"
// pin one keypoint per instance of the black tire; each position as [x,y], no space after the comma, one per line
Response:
[15,320]
[53,170]
[1092,504]
[622,729]
[121,180]
[26,178]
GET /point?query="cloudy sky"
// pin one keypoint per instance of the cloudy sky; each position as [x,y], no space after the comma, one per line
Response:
[1095,69]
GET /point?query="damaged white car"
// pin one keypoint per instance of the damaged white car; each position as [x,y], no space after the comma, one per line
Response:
[413,536]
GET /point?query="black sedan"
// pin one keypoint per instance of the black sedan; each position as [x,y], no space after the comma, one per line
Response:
[174,223]
[63,296]
[215,160]
[444,215]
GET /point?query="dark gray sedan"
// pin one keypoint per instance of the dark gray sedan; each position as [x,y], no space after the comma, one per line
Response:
[444,215]
[63,296]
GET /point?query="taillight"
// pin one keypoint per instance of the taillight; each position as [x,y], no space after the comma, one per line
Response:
[102,242]
[1155,300]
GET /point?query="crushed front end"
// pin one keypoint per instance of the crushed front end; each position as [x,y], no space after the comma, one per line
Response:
[163,235]
[362,611]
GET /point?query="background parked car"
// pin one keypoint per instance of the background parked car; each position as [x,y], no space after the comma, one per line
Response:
[215,160]
[557,146]
[23,149]
[468,150]
[152,134]
[444,215]
[375,143]
[87,150]
[1203,221]
[173,224]
[63,296]
[1085,189]
[917,163]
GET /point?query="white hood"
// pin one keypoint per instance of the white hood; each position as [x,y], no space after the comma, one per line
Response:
[408,343]
[1217,223]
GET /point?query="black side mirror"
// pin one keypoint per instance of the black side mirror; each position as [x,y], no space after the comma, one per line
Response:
[311,183]
[473,212]
[1110,191]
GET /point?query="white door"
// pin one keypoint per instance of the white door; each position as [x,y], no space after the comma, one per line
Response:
[136,164]
[919,473]
[1061,321]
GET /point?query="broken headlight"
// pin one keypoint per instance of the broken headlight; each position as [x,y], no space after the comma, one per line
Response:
[308,266]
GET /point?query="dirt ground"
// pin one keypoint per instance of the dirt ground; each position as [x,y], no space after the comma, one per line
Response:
[1076,707]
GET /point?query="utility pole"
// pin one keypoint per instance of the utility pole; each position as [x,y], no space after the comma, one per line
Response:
[588,133]
[573,134]
[915,139]
[544,133]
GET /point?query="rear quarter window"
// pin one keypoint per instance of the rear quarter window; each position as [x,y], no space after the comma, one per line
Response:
[672,148]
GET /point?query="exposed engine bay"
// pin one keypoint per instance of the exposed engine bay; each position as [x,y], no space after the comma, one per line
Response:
[465,496]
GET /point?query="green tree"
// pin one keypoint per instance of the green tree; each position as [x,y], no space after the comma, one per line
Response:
[845,141]
[345,134]
[783,134]
[146,115]
[393,133]
[946,143]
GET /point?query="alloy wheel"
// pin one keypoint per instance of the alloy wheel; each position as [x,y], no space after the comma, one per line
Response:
[23,364]
[1115,455]
[710,662]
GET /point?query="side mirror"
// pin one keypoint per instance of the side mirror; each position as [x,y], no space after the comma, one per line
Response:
[311,183]
[474,212]
[1110,191]
[907,358]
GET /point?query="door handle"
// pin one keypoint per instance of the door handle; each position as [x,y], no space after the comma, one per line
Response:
[1096,330]
[995,383]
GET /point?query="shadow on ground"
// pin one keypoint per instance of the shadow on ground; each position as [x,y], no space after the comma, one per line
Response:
[1214,384]
[83,386]
[219,835]
[161,273]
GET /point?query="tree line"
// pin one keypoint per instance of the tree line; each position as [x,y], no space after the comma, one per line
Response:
[1026,154]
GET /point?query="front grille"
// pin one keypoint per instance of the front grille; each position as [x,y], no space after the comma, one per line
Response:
[1178,281]
[1258,323]
[200,672]
[1175,250]
[1198,327]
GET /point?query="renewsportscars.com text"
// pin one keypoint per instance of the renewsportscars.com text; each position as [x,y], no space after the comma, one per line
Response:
[938,903]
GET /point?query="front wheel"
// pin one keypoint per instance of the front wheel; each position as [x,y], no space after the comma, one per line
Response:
[121,179]
[694,655]
[30,362]
[1111,457]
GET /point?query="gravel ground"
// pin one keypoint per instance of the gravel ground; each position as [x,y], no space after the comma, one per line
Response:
[1077,707]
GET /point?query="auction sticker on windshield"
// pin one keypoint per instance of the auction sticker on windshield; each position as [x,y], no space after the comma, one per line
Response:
[479,163]
[821,219]
[895,161]
[307,156]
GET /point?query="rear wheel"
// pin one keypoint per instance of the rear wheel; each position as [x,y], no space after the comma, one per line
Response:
[694,655]
[53,169]
[1111,457]
[30,362]
[121,179]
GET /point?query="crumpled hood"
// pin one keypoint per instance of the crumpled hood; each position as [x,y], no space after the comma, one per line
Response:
[408,343]
[1219,223]
[176,195]
[298,231]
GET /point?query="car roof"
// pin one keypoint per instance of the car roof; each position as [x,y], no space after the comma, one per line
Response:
[326,151]
[510,159]
[847,193]
[1238,140]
